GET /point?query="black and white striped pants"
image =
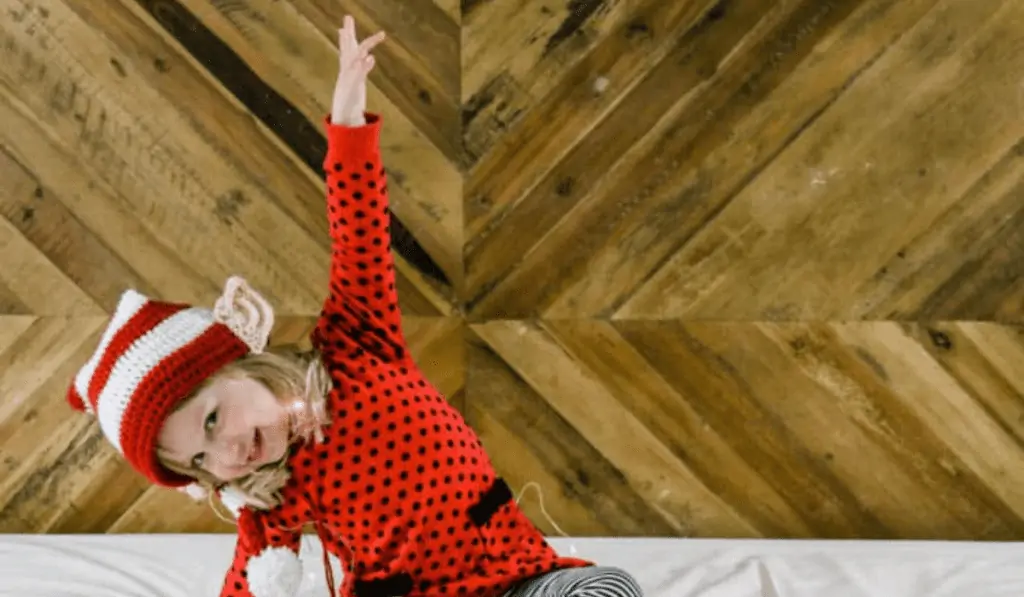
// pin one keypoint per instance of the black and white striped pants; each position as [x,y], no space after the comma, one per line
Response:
[592,581]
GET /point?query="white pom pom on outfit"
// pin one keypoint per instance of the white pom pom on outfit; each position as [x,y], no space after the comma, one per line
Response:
[274,572]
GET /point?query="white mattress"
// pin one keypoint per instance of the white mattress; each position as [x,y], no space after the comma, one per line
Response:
[193,566]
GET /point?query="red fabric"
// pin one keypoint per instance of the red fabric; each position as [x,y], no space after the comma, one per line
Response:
[164,387]
[148,317]
[154,395]
[396,485]
[75,401]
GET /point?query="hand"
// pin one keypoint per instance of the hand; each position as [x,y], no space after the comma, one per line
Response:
[355,63]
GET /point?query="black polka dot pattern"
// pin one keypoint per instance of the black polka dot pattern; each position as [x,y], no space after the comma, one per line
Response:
[391,488]
[361,310]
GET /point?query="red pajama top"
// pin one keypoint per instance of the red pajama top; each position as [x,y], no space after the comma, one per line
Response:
[401,489]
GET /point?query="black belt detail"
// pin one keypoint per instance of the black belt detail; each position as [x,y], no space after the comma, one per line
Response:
[392,586]
[492,499]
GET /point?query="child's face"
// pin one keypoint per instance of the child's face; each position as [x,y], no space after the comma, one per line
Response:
[230,428]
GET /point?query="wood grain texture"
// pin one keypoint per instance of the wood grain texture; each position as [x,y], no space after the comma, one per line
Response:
[722,268]
[862,429]
[808,160]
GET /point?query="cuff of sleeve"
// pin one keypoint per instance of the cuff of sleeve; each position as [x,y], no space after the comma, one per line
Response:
[357,140]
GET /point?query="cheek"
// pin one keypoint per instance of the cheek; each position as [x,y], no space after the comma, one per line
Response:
[267,411]
[244,410]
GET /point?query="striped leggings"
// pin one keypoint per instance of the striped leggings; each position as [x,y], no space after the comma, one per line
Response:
[593,581]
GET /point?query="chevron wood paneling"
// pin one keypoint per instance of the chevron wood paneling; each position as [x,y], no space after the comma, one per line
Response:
[749,161]
[691,268]
[876,430]
[132,151]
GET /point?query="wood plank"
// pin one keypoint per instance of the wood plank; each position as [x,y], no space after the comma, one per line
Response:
[584,493]
[665,410]
[504,178]
[150,265]
[140,144]
[47,451]
[451,8]
[282,63]
[39,285]
[91,268]
[967,264]
[105,495]
[576,394]
[178,514]
[666,122]
[911,411]
[787,382]
[808,226]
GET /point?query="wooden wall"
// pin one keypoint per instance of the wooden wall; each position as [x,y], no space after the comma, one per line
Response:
[694,267]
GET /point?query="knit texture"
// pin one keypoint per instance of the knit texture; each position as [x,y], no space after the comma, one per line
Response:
[401,489]
[152,355]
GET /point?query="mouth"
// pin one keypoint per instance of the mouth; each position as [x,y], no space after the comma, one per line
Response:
[256,451]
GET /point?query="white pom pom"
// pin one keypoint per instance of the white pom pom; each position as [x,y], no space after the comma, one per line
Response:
[194,491]
[232,499]
[275,572]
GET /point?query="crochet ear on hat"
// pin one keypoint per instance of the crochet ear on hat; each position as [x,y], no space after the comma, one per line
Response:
[246,313]
[154,354]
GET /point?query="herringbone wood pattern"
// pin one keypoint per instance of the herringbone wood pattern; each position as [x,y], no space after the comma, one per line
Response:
[695,268]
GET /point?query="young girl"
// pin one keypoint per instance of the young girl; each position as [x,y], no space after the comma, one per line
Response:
[350,438]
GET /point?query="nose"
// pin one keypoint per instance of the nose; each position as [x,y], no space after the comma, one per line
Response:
[240,451]
[235,450]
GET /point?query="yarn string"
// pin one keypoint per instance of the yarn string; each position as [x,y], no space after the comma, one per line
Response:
[540,500]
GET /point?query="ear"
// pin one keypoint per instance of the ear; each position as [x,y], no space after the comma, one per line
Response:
[246,313]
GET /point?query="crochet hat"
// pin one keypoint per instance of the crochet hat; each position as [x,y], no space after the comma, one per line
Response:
[153,355]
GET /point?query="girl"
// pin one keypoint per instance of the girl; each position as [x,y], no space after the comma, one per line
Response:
[350,438]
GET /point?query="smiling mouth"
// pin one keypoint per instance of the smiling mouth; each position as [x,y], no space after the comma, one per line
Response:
[256,451]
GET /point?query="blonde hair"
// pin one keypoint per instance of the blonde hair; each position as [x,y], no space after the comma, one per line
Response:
[285,371]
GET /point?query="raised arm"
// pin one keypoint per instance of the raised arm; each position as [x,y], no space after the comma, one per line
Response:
[361,310]
[362,304]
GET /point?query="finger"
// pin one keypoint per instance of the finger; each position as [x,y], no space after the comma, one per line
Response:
[347,35]
[371,42]
[368,64]
[344,42]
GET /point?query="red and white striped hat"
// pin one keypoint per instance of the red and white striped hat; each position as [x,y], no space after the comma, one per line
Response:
[152,355]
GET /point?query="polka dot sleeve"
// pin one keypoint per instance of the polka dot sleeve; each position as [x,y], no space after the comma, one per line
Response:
[362,305]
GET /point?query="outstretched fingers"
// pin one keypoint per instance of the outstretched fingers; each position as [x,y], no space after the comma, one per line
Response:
[372,42]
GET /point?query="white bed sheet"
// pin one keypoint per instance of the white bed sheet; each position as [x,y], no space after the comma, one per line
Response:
[193,566]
